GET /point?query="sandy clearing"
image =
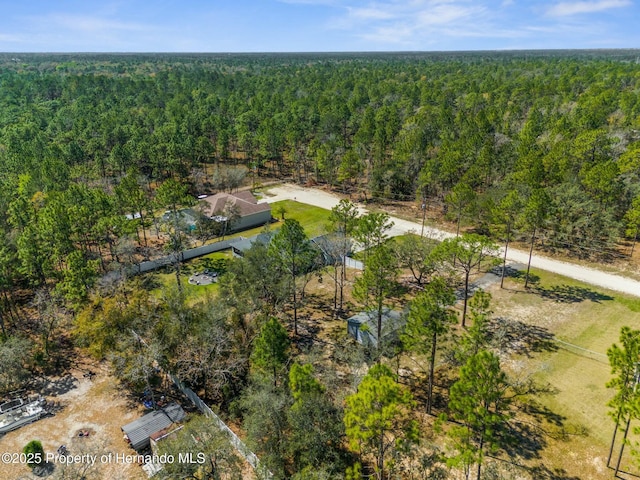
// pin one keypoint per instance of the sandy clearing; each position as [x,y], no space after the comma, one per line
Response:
[588,275]
[97,406]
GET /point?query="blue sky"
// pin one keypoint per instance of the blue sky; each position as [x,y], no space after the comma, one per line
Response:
[315,25]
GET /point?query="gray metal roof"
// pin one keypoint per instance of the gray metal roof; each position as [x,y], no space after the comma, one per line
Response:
[243,244]
[139,431]
[392,321]
[371,317]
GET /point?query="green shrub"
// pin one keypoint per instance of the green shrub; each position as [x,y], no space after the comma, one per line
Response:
[34,452]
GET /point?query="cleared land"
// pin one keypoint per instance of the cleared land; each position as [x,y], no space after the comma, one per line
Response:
[557,332]
[98,406]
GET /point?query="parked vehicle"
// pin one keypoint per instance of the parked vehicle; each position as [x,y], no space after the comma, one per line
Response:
[17,413]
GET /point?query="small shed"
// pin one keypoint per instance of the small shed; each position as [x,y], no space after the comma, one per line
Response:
[364,325]
[139,432]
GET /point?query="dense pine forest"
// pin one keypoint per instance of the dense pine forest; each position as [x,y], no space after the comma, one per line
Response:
[542,144]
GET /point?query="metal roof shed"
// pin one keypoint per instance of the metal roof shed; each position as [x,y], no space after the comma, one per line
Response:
[139,431]
[364,325]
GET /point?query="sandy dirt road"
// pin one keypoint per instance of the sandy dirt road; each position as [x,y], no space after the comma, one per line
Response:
[588,275]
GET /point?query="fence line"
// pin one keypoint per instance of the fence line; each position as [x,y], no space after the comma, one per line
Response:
[239,445]
[149,265]
[597,356]
[353,263]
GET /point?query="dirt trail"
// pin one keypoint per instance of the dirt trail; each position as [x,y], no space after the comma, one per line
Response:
[588,275]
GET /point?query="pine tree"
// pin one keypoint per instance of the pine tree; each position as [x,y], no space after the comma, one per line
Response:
[478,400]
[378,418]
[271,348]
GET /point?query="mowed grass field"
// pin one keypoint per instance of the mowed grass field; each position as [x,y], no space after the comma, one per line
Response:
[584,321]
[166,278]
[314,220]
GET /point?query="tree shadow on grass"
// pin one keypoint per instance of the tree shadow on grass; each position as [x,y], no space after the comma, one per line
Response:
[518,273]
[151,282]
[528,436]
[218,265]
[524,441]
[529,433]
[542,472]
[570,294]
[307,333]
[521,338]
[540,412]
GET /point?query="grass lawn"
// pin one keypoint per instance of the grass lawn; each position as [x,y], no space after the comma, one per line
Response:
[314,220]
[589,319]
[167,278]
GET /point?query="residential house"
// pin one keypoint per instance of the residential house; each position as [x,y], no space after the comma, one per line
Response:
[243,204]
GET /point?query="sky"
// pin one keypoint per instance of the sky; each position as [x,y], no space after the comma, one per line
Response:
[315,25]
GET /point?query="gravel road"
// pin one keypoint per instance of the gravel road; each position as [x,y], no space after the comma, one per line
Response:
[588,275]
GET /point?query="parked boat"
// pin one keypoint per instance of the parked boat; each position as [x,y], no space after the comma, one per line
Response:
[11,405]
[17,413]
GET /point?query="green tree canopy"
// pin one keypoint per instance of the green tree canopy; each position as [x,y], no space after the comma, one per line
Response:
[378,419]
[271,348]
[463,254]
[479,401]
[430,317]
[625,368]
[291,247]
[211,454]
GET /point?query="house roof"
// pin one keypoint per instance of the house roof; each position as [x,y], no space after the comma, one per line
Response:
[139,431]
[186,215]
[245,202]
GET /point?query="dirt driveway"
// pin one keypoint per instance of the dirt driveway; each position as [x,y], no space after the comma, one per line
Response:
[95,406]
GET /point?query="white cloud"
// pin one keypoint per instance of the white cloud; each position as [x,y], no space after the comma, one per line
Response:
[100,31]
[415,23]
[93,24]
[371,13]
[447,14]
[10,38]
[563,9]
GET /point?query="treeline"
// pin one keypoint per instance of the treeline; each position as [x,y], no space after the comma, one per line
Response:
[542,145]
[539,144]
[388,126]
